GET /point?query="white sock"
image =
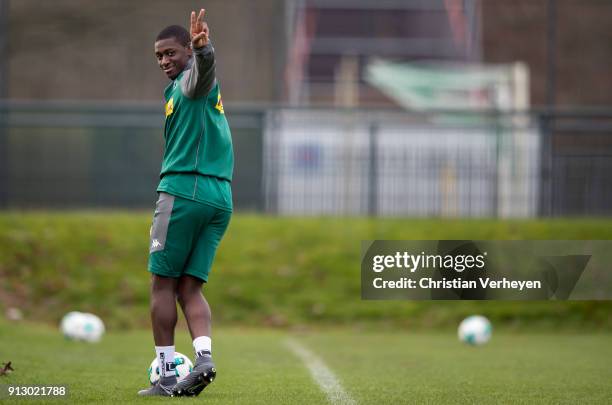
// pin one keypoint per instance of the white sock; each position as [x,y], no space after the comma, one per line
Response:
[202,346]
[165,359]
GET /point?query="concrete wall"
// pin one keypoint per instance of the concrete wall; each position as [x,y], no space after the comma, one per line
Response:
[103,50]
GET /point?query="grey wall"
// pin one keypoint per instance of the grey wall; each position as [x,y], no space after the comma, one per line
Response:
[103,50]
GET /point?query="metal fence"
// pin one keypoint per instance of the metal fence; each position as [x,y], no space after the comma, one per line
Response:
[321,162]
[399,164]
[74,155]
[577,162]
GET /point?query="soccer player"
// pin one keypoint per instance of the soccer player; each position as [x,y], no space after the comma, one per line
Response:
[195,201]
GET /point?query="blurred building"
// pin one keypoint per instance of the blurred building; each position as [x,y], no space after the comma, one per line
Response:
[333,41]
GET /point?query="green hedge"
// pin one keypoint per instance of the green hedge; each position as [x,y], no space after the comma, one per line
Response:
[271,271]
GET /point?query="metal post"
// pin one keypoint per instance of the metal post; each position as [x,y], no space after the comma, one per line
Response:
[4,78]
[551,54]
[373,172]
[548,120]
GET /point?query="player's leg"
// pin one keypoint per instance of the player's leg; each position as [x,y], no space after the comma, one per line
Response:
[198,315]
[171,242]
[194,305]
[163,309]
[163,320]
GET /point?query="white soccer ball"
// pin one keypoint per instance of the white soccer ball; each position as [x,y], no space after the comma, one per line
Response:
[82,326]
[92,328]
[182,369]
[70,324]
[475,330]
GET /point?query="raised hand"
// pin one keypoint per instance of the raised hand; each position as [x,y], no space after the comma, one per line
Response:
[199,30]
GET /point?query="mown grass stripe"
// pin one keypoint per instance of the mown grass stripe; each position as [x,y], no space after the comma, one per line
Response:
[323,376]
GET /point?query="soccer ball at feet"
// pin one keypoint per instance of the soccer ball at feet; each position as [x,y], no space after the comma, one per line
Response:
[182,369]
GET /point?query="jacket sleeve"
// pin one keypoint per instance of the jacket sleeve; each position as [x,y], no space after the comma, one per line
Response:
[200,78]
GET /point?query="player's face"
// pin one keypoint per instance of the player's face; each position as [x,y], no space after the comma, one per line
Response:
[172,57]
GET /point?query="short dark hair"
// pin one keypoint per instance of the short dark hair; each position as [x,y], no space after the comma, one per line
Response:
[177,32]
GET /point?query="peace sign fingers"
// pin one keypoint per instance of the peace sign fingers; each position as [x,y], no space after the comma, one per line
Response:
[198,29]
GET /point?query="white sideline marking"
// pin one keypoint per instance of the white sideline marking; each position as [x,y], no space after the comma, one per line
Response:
[321,374]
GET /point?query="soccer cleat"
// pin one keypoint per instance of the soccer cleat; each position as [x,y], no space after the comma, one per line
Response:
[200,377]
[160,388]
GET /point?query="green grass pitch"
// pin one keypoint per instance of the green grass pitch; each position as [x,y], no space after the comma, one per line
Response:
[257,367]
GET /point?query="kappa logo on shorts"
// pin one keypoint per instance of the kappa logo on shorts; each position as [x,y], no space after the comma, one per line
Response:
[155,244]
